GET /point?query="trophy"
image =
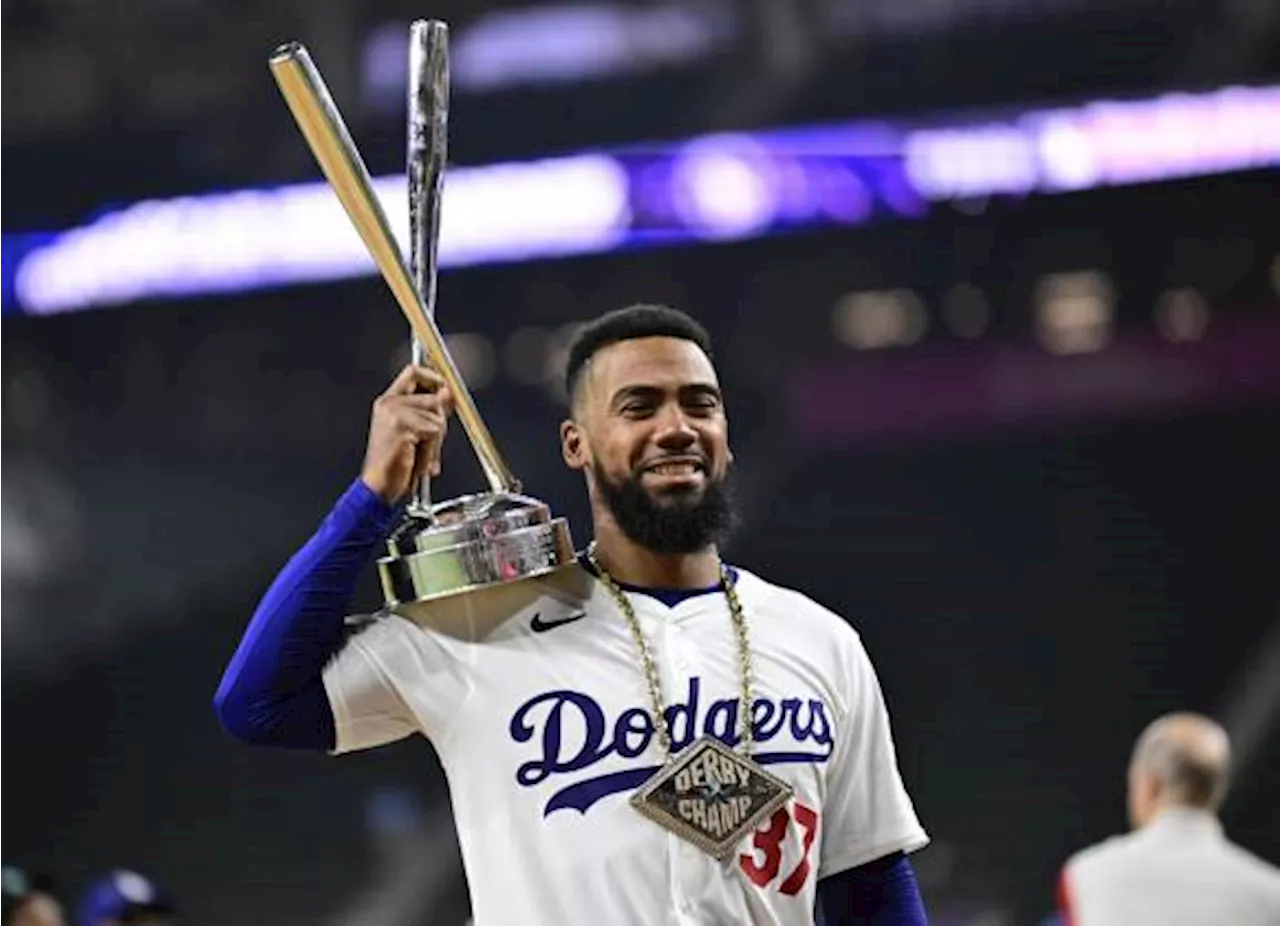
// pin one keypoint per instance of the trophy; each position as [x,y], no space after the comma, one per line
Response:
[474,542]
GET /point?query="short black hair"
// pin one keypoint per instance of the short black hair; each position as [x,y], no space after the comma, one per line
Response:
[626,324]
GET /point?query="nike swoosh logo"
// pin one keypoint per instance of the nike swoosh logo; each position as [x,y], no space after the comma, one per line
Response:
[538,625]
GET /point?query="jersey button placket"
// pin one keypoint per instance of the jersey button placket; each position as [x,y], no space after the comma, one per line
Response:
[690,862]
[675,674]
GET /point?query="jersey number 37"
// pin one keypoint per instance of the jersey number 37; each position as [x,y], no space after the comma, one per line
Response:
[767,842]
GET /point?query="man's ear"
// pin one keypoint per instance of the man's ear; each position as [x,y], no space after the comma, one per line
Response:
[573,446]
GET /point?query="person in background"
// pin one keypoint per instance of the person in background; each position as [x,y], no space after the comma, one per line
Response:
[1176,868]
[126,898]
[29,900]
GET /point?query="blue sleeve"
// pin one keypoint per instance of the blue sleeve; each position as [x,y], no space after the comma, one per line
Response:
[880,893]
[272,692]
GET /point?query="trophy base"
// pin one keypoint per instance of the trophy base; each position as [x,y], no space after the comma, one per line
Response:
[471,543]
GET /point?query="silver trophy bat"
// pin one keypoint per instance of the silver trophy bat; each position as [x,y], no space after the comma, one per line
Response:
[475,541]
[426,151]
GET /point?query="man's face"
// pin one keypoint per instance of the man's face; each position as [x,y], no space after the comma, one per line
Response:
[650,432]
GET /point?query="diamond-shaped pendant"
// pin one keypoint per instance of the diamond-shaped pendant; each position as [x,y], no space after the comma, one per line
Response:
[711,796]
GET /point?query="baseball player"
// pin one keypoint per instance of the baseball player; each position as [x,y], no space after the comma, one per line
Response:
[1176,868]
[650,736]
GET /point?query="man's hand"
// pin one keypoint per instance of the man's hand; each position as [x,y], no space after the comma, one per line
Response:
[406,432]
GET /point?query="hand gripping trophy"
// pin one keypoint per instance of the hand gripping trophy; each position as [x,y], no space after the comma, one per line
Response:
[473,542]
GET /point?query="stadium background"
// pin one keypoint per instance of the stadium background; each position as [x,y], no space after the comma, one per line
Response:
[1022,428]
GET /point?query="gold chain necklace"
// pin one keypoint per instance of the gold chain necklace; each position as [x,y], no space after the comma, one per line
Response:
[709,794]
[654,681]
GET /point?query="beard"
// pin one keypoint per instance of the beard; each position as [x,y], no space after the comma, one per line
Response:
[681,522]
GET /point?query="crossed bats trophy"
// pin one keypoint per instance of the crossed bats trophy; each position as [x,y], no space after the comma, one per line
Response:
[472,542]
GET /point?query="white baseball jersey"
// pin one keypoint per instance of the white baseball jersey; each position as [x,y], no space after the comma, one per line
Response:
[1178,871]
[535,701]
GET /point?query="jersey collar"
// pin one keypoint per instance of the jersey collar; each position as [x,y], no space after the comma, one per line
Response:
[667,596]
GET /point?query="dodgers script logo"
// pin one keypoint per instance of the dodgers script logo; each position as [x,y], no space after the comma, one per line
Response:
[545,718]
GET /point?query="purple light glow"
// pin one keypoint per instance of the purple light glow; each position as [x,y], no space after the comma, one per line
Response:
[712,188]
[725,187]
[244,240]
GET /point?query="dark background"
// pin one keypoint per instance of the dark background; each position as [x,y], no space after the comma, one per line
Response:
[1035,582]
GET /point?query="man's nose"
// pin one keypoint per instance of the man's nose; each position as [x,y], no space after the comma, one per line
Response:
[675,430]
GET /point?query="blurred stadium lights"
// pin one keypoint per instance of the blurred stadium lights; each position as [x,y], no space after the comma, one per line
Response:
[526,355]
[553,44]
[968,161]
[565,43]
[879,319]
[474,353]
[27,392]
[80,66]
[596,202]
[38,515]
[1182,314]
[1074,312]
[534,356]
[557,359]
[725,187]
[475,357]
[260,238]
[40,519]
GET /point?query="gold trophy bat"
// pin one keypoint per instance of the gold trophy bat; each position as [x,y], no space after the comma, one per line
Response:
[475,541]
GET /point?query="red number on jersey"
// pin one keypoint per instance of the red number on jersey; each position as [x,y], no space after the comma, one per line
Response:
[808,820]
[769,841]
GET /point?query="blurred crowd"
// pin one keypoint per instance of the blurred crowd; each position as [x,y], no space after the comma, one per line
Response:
[117,898]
